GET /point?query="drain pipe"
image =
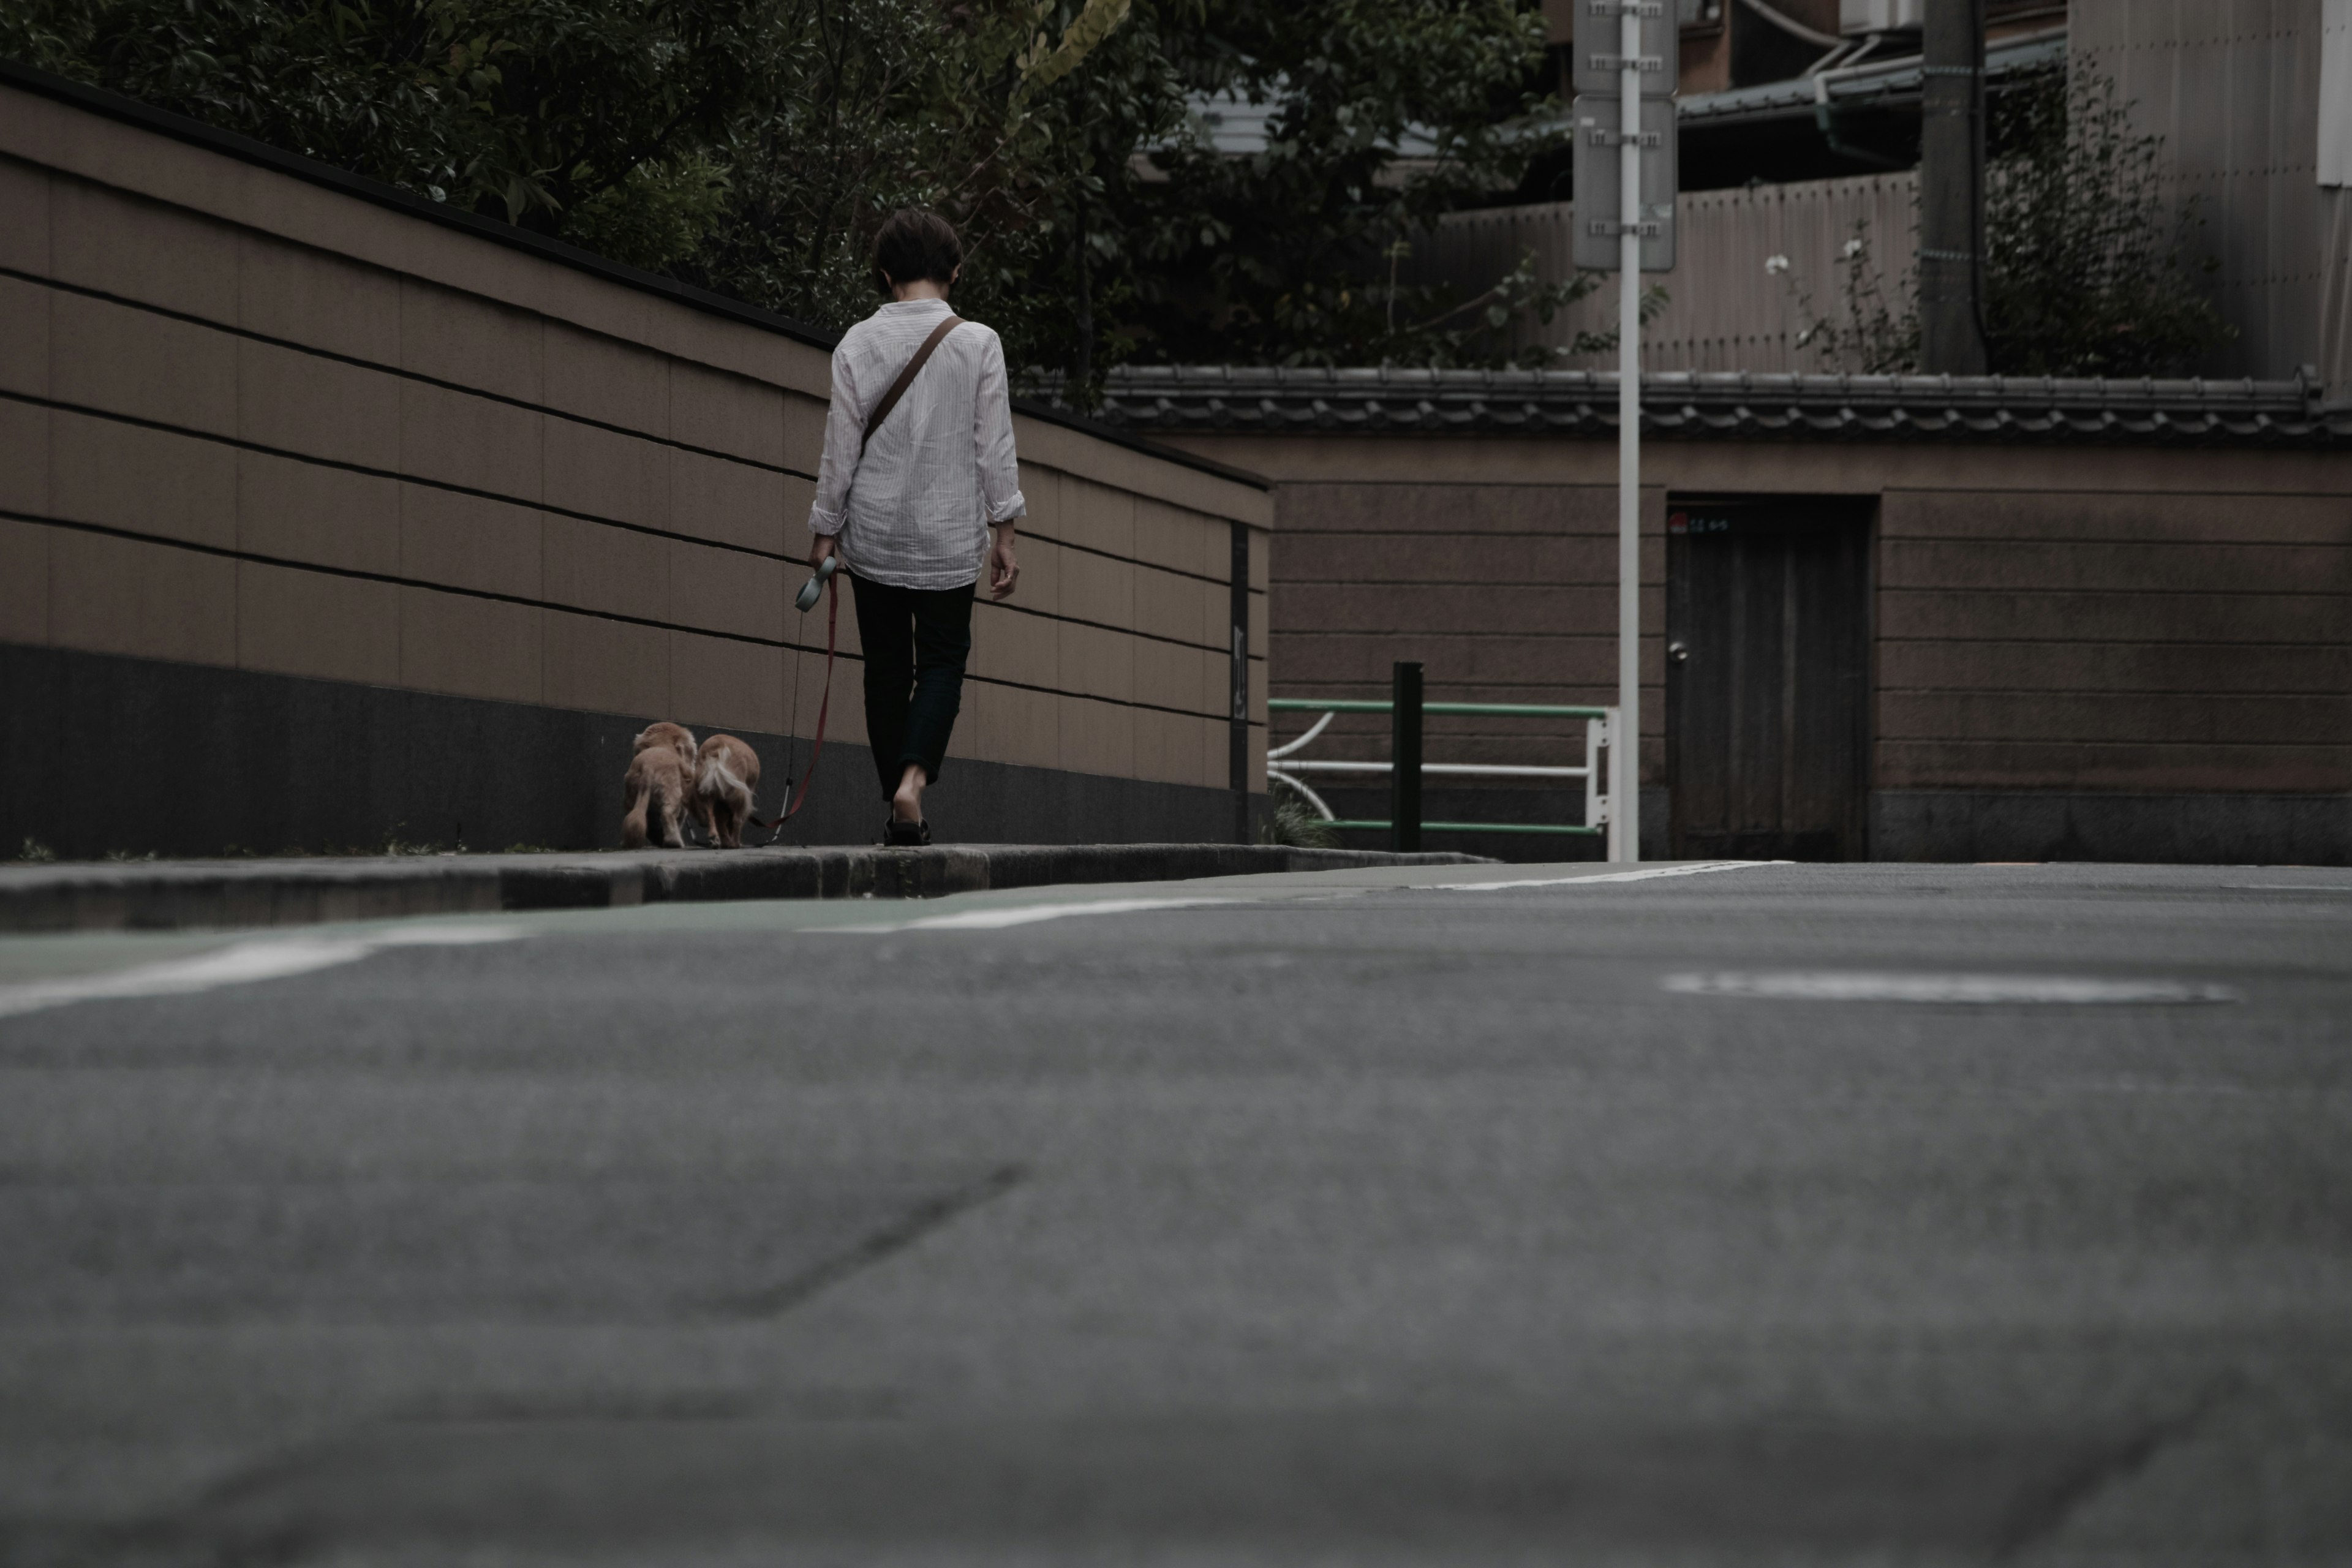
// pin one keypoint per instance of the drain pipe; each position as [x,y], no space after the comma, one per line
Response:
[1825,110]
[1793,27]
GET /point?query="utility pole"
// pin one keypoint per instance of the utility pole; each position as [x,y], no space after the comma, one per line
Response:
[1951,190]
[1625,189]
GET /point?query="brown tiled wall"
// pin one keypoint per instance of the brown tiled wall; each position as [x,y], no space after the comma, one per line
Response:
[250,421]
[2138,640]
[2053,619]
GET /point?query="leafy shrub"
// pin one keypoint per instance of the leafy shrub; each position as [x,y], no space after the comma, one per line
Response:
[2088,265]
[1294,822]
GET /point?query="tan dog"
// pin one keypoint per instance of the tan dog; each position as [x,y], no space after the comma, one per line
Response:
[724,780]
[660,780]
[676,737]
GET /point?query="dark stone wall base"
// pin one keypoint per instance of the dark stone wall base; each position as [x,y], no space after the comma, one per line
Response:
[111,755]
[2168,829]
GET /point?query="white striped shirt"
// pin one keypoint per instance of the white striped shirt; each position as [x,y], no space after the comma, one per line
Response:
[916,510]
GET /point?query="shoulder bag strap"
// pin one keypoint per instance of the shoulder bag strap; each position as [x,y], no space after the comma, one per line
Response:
[905,379]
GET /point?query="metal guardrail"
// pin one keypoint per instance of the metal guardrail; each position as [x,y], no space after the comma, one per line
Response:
[1283,764]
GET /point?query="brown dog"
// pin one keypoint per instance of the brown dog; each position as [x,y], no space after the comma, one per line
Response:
[724,779]
[660,780]
[676,737]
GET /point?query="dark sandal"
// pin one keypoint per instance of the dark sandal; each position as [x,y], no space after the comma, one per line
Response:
[898,835]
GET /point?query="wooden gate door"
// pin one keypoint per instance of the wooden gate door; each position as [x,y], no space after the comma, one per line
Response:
[1768,679]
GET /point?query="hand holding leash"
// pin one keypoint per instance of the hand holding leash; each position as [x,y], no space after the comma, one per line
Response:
[826,568]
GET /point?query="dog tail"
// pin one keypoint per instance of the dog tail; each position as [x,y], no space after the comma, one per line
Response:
[633,821]
[720,782]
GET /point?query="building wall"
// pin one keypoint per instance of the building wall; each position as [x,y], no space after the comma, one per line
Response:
[2232,86]
[252,422]
[2081,652]
[1722,310]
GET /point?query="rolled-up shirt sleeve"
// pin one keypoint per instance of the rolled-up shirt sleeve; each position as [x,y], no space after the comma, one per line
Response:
[991,422]
[838,465]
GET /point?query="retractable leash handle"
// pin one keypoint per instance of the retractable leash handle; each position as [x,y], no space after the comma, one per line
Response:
[815,585]
[824,581]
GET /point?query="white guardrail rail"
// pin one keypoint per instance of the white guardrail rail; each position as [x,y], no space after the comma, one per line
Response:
[1602,782]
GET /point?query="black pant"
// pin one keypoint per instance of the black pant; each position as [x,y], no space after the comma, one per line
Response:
[917,640]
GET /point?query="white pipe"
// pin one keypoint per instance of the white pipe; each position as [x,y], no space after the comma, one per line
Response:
[1473,769]
[1858,67]
[1793,27]
[1830,60]
[1321,725]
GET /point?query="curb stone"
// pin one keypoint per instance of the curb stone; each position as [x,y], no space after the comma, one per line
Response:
[169,895]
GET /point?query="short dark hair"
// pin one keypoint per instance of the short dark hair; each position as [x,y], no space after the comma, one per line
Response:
[916,244]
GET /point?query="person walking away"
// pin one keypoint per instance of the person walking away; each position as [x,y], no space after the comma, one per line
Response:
[918,470]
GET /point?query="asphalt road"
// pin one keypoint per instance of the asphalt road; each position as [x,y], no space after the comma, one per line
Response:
[1847,1215]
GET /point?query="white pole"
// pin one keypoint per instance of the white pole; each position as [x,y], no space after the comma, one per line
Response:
[1625,808]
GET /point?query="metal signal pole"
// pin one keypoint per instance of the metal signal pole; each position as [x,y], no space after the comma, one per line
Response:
[1623,134]
[1625,742]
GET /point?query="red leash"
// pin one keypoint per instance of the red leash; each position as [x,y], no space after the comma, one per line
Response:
[832,621]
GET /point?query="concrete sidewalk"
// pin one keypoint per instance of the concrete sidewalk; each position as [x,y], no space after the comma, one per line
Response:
[165,895]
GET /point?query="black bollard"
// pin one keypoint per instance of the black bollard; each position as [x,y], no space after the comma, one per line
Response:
[1404,779]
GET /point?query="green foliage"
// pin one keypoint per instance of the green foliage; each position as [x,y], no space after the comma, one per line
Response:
[1382,114]
[2087,263]
[522,109]
[1880,332]
[1473,332]
[2087,268]
[657,216]
[754,146]
[1046,62]
[1294,822]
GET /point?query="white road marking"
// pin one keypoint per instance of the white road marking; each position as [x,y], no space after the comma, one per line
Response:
[2285,888]
[1856,985]
[1642,876]
[242,963]
[1025,914]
